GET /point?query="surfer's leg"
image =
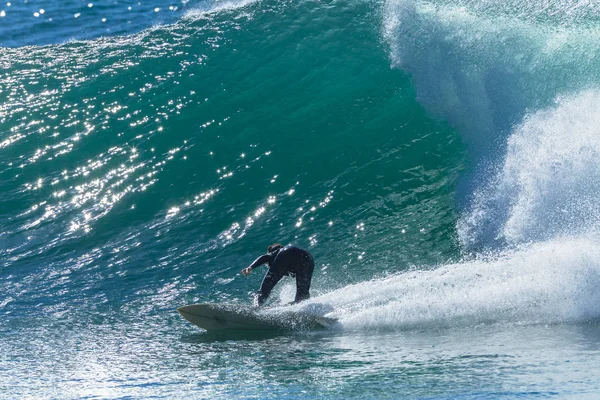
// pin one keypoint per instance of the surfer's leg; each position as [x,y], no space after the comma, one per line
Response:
[269,281]
[303,279]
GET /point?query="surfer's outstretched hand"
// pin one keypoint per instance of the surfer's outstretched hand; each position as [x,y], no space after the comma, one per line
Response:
[246,271]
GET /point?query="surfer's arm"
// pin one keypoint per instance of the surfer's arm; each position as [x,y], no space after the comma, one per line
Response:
[258,262]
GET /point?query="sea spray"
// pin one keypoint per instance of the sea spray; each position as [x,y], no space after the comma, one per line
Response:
[549,282]
[548,183]
[483,66]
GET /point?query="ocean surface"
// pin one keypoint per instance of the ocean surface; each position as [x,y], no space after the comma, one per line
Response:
[439,158]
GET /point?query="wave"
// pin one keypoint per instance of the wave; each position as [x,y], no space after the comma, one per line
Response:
[518,80]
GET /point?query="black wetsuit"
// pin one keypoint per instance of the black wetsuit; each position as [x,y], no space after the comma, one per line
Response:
[290,261]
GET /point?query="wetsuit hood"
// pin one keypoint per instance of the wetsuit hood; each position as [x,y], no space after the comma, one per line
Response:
[272,248]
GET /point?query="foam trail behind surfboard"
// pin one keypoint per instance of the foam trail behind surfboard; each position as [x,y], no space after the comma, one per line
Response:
[550,282]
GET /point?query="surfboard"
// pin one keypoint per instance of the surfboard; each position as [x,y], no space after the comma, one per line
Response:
[218,317]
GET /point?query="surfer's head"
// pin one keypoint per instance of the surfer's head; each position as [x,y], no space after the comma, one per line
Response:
[273,247]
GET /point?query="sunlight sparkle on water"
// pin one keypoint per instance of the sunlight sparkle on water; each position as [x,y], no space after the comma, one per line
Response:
[173,211]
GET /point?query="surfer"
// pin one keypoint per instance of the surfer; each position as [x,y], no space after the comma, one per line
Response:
[284,261]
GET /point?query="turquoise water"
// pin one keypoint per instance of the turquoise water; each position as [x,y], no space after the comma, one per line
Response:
[438,158]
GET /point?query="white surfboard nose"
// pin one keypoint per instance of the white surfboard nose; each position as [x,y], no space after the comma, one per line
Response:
[186,309]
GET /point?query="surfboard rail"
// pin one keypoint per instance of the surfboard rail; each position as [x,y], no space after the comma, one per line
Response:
[216,317]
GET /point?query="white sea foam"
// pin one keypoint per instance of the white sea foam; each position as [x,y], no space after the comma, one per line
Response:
[217,6]
[551,282]
[547,184]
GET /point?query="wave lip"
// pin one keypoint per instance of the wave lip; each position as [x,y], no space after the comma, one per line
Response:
[217,6]
[483,66]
